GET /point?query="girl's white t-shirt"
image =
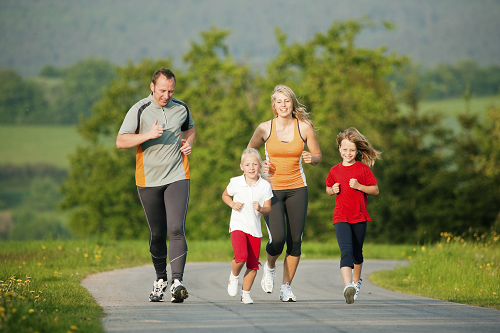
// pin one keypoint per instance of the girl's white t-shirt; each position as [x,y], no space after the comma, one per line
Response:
[246,218]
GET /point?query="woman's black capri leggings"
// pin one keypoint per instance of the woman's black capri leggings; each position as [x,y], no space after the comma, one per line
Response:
[286,222]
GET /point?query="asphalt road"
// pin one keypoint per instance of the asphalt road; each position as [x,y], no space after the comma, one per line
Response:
[320,305]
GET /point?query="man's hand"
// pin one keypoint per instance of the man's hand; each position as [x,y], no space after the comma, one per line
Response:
[186,147]
[156,131]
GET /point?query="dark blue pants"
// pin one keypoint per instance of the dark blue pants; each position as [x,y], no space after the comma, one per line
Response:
[350,237]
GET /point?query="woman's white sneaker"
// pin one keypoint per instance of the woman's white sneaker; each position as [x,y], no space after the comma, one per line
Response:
[286,294]
[267,281]
[232,287]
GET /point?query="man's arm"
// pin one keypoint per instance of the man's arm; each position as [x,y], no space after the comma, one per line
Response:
[129,140]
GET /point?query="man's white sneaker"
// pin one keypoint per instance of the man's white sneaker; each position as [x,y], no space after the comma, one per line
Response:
[349,292]
[286,294]
[159,288]
[232,287]
[178,291]
[245,297]
[267,281]
[357,285]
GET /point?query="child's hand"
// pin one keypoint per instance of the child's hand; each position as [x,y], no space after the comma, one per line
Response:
[353,183]
[336,188]
[237,205]
[256,206]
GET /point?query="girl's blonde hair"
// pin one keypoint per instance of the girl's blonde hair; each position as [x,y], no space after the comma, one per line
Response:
[366,153]
[299,110]
[255,152]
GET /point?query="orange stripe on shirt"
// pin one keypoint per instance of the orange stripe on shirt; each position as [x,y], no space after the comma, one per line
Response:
[140,177]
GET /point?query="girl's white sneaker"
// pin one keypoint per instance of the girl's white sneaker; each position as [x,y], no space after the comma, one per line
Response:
[349,291]
[245,297]
[232,286]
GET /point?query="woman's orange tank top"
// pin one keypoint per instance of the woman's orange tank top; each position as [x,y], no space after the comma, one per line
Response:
[286,160]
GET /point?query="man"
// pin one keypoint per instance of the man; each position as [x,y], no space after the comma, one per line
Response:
[162,130]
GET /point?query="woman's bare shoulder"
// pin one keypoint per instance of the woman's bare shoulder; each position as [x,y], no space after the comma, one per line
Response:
[264,127]
[305,127]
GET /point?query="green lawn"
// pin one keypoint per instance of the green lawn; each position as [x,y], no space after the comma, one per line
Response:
[31,144]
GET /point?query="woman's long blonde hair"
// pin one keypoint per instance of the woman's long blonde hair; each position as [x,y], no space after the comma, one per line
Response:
[299,110]
[255,152]
[366,153]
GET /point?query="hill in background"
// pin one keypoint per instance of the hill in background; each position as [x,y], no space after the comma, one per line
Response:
[35,33]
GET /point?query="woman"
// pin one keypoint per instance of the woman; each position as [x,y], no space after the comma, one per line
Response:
[284,138]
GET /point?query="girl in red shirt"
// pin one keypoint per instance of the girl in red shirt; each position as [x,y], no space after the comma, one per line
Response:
[351,181]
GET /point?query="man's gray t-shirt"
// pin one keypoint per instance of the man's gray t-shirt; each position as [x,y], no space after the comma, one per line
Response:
[159,161]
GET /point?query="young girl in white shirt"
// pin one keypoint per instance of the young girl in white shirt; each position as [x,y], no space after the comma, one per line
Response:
[251,198]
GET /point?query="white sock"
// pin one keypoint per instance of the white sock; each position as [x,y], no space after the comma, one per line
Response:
[234,275]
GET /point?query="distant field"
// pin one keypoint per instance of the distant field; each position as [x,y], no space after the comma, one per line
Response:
[21,145]
[453,106]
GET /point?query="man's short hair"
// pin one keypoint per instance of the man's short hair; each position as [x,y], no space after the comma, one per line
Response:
[163,71]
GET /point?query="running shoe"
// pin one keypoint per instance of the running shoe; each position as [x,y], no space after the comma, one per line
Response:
[349,292]
[159,288]
[358,287]
[286,294]
[232,287]
[267,281]
[178,291]
[245,297]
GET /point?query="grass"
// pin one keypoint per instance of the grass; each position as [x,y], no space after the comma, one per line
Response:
[40,289]
[463,269]
[32,144]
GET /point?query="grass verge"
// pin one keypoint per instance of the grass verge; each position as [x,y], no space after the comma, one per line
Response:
[462,269]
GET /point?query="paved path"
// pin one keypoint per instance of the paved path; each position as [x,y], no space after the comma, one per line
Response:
[320,306]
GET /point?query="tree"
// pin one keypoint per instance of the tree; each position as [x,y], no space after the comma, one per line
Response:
[82,86]
[21,101]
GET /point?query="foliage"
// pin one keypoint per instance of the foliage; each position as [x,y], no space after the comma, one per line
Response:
[82,86]
[460,268]
[21,101]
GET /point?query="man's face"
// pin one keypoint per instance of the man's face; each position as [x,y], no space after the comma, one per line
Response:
[163,90]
